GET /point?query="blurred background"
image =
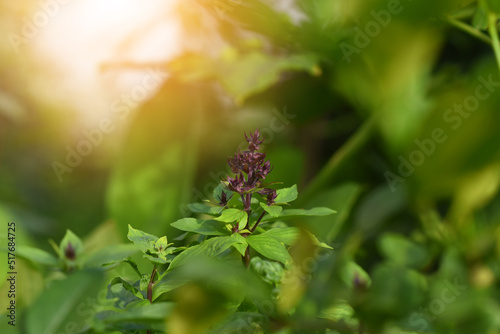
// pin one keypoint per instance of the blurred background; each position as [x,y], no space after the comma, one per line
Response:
[122,112]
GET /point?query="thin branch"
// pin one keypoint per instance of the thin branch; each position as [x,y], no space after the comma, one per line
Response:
[493,30]
[258,221]
[470,30]
[340,158]
[150,290]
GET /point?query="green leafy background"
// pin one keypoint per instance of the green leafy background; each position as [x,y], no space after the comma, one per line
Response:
[344,128]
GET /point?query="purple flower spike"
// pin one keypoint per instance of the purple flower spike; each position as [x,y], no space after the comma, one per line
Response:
[250,169]
[254,141]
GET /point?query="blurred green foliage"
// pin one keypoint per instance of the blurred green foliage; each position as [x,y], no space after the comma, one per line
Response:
[383,110]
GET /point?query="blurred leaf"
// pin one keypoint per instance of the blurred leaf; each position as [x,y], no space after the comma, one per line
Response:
[380,204]
[296,279]
[143,316]
[75,241]
[153,176]
[341,311]
[166,284]
[289,235]
[211,297]
[202,208]
[269,247]
[37,256]
[156,311]
[342,198]
[254,15]
[402,251]
[243,76]
[61,304]
[129,287]
[475,191]
[395,292]
[205,227]
[270,272]
[293,213]
[353,274]
[480,20]
[103,235]
[110,255]
[11,108]
[493,6]
[228,277]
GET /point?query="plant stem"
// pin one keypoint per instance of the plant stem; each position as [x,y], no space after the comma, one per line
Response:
[470,30]
[246,258]
[492,28]
[258,221]
[340,158]
[150,285]
[150,290]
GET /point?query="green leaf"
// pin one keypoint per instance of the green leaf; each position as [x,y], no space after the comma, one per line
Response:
[144,241]
[156,311]
[342,198]
[205,227]
[198,208]
[36,256]
[242,244]
[161,244]
[232,215]
[270,272]
[494,6]
[127,286]
[165,284]
[402,251]
[480,19]
[110,255]
[351,271]
[203,208]
[273,210]
[154,176]
[218,192]
[269,247]
[292,213]
[144,281]
[215,210]
[155,259]
[288,236]
[317,242]
[211,247]
[248,74]
[286,195]
[75,241]
[62,303]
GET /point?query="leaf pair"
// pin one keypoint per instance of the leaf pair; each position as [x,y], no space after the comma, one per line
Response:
[155,249]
